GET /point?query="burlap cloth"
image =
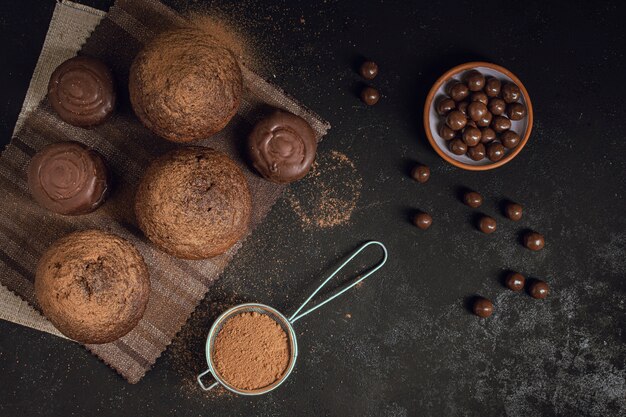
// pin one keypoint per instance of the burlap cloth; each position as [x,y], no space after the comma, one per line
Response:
[26,230]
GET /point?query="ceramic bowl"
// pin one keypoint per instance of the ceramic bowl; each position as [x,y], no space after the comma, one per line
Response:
[432,120]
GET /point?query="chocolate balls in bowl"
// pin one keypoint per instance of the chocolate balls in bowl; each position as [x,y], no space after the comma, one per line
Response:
[478,116]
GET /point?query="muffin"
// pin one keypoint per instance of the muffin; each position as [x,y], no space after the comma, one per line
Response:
[193,203]
[184,86]
[68,178]
[93,286]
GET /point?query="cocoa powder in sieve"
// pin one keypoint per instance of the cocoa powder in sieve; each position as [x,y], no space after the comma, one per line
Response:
[251,351]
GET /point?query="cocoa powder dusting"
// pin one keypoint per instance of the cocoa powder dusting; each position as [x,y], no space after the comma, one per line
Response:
[330,192]
[251,351]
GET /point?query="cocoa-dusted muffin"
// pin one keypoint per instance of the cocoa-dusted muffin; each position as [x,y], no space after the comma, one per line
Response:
[193,203]
[93,286]
[184,86]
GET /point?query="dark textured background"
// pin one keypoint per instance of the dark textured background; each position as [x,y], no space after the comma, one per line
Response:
[410,347]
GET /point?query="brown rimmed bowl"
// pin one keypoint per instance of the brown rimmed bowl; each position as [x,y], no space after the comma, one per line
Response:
[432,120]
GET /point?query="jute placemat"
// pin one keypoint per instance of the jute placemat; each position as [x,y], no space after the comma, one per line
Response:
[26,230]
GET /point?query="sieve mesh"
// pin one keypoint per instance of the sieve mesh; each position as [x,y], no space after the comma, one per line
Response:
[252,308]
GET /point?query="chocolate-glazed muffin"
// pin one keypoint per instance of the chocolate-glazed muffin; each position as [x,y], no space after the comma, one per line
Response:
[68,178]
[184,86]
[282,147]
[93,286]
[81,91]
[193,203]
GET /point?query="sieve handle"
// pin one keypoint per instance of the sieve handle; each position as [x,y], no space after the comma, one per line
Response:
[297,316]
[204,387]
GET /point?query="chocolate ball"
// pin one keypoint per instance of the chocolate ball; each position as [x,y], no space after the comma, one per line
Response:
[497,106]
[475,80]
[446,133]
[539,289]
[420,173]
[473,199]
[511,93]
[368,70]
[470,123]
[471,136]
[516,111]
[515,281]
[492,87]
[456,120]
[495,151]
[457,146]
[480,97]
[534,241]
[462,107]
[477,153]
[513,211]
[509,139]
[487,135]
[476,110]
[444,106]
[500,124]
[485,121]
[422,220]
[482,307]
[487,224]
[458,91]
[370,96]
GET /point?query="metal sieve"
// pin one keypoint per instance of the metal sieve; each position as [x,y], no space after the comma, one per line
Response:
[282,321]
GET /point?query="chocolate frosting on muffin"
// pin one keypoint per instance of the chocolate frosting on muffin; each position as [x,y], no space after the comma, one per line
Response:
[68,178]
[93,286]
[184,86]
[81,91]
[193,203]
[282,147]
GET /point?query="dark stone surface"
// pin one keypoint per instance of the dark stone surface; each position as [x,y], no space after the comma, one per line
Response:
[410,346]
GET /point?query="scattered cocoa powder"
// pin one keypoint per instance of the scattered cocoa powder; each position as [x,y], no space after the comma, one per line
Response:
[331,195]
[251,351]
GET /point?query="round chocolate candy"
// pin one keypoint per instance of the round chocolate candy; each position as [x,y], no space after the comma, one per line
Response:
[470,123]
[487,224]
[462,107]
[282,147]
[509,139]
[487,135]
[497,106]
[482,307]
[492,87]
[511,93]
[480,96]
[368,70]
[422,220]
[485,121]
[444,106]
[420,173]
[513,211]
[471,136]
[473,199]
[515,281]
[477,153]
[81,91]
[516,111]
[539,289]
[370,96]
[495,151]
[500,124]
[456,120]
[476,110]
[475,80]
[457,146]
[446,133]
[458,91]
[534,241]
[68,178]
